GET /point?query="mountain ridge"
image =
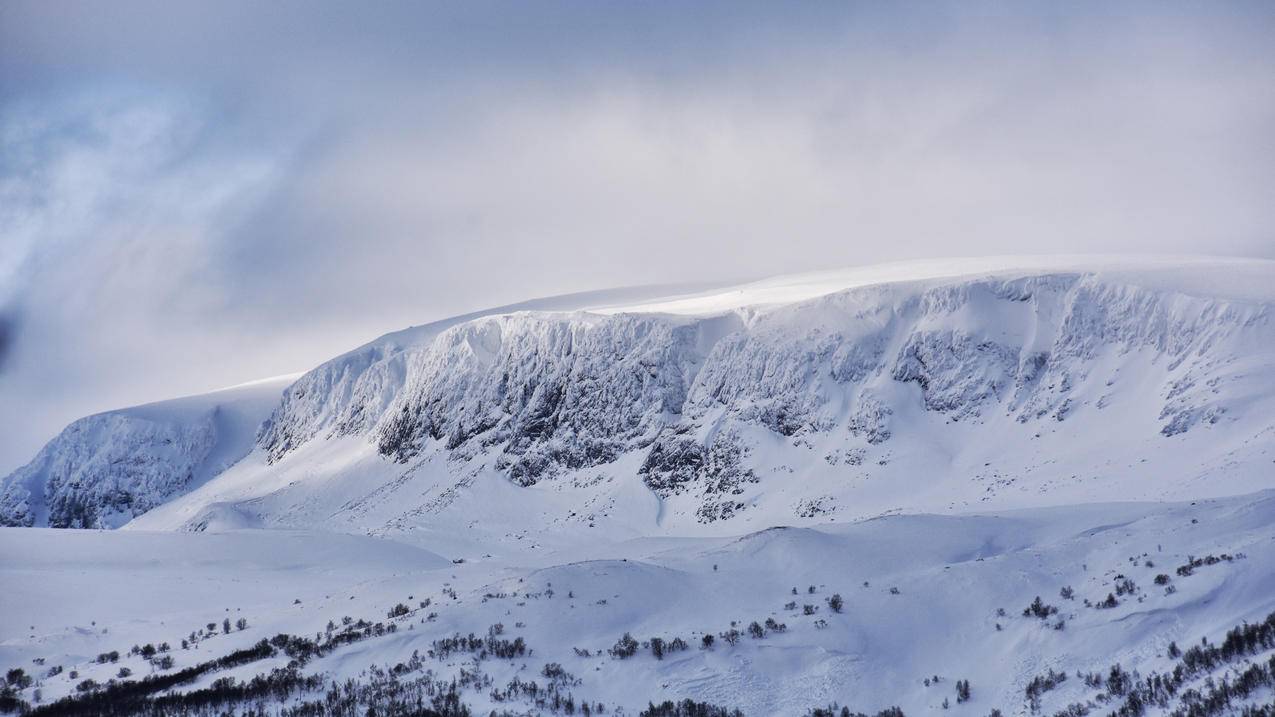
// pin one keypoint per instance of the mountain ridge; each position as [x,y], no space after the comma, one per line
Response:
[702,400]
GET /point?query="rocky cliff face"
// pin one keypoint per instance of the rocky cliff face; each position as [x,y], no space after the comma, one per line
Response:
[548,393]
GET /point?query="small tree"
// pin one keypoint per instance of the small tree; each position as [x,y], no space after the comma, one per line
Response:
[657,648]
[225,626]
[756,630]
[241,624]
[706,642]
[835,603]
[1039,609]
[18,678]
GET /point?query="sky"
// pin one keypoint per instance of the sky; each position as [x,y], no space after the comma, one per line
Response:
[194,195]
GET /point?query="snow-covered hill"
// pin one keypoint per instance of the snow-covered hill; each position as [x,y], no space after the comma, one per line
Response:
[105,469]
[923,602]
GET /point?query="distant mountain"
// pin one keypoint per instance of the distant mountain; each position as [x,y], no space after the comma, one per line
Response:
[1000,382]
[106,469]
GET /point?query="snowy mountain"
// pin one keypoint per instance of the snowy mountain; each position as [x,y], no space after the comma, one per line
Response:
[782,402]
[103,470]
[1028,486]
[905,387]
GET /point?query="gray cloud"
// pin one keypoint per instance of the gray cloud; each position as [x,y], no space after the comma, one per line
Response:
[198,194]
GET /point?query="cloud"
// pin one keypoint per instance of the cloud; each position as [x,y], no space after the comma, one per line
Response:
[199,194]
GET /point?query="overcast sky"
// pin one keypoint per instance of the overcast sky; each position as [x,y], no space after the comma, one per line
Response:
[195,195]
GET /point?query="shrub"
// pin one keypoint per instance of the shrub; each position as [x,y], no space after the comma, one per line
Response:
[19,679]
[625,647]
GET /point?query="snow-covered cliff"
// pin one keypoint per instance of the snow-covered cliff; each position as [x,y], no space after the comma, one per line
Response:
[103,470]
[546,394]
[931,387]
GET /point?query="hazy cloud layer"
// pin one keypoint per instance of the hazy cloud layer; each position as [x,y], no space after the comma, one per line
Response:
[195,195]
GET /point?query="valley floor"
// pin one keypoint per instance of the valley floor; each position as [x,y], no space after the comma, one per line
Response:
[894,611]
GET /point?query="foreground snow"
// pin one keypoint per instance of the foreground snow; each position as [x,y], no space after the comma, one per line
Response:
[922,596]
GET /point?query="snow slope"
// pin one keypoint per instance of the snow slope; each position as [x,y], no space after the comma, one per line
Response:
[105,469]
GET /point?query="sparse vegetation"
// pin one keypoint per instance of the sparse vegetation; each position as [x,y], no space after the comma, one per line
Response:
[1039,609]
